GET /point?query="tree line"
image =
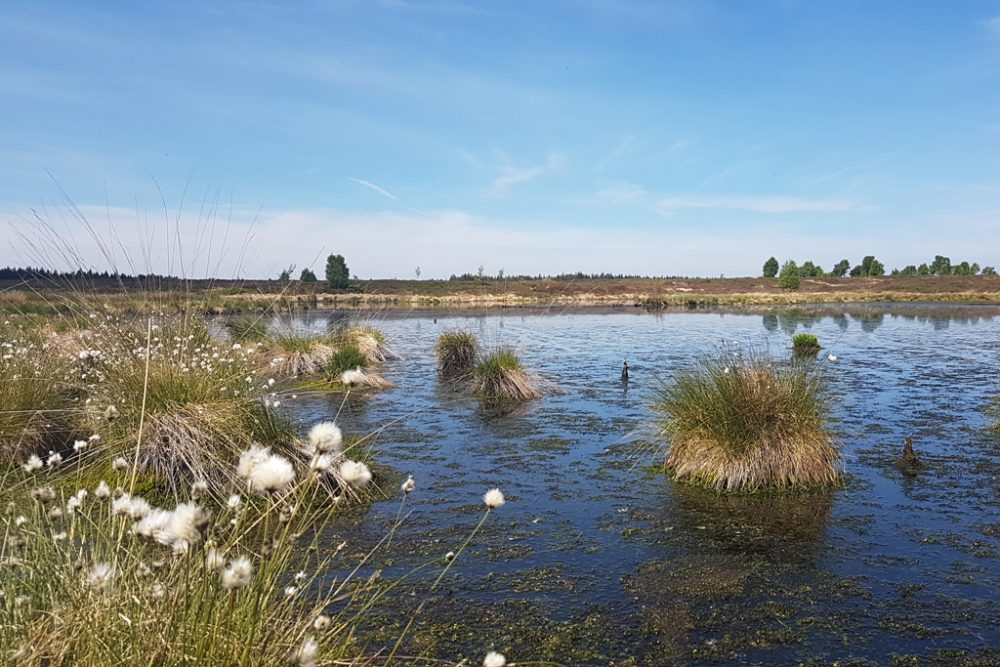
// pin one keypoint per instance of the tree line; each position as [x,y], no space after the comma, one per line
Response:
[790,271]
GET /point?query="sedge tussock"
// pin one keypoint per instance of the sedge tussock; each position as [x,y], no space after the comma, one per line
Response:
[456,352]
[501,376]
[745,423]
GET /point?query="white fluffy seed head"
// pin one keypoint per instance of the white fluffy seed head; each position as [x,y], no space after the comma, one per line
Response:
[33,464]
[119,463]
[326,437]
[238,574]
[354,377]
[321,623]
[322,462]
[102,490]
[408,485]
[494,659]
[133,507]
[101,576]
[305,655]
[355,473]
[494,498]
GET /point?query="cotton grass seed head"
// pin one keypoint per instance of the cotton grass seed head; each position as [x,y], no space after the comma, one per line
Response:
[355,473]
[101,576]
[266,472]
[354,378]
[494,659]
[34,463]
[102,490]
[326,437]
[238,574]
[305,655]
[408,485]
[494,499]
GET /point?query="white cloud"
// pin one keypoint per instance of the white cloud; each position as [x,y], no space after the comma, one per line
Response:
[510,175]
[668,206]
[621,193]
[369,184]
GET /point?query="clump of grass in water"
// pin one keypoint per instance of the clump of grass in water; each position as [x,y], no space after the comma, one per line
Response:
[246,329]
[805,344]
[742,423]
[456,352]
[345,358]
[300,354]
[500,375]
[371,342]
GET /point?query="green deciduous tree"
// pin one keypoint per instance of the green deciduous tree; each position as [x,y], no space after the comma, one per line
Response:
[841,268]
[337,274]
[771,268]
[789,278]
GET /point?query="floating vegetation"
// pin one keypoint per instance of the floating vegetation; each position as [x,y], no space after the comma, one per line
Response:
[805,344]
[500,375]
[456,352]
[744,423]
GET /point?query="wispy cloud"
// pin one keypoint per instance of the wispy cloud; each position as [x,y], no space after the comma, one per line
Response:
[621,193]
[777,204]
[376,188]
[510,175]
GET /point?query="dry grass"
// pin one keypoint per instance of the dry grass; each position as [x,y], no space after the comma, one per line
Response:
[299,355]
[371,343]
[743,423]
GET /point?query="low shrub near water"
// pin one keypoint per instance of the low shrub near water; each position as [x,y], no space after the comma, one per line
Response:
[745,423]
[247,328]
[456,352]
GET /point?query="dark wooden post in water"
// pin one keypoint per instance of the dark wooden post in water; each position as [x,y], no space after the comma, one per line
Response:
[625,371]
[909,456]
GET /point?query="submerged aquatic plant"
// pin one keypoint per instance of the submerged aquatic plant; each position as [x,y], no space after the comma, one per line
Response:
[456,352]
[500,375]
[743,423]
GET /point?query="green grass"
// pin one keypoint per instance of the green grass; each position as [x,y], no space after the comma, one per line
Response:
[456,352]
[805,342]
[40,391]
[743,423]
[500,375]
[346,357]
[247,328]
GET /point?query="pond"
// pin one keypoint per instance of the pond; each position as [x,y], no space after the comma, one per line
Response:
[598,558]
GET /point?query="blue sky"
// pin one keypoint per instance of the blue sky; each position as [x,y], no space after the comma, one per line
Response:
[690,138]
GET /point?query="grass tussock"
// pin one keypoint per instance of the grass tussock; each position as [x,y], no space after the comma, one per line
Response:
[247,328]
[371,342]
[743,423]
[500,375]
[456,352]
[805,343]
[39,394]
[299,355]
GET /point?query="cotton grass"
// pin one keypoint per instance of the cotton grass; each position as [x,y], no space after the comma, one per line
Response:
[745,423]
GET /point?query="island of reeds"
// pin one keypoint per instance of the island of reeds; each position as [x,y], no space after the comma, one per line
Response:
[741,423]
